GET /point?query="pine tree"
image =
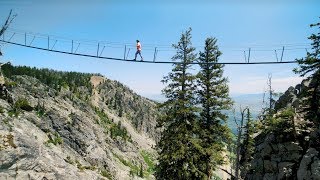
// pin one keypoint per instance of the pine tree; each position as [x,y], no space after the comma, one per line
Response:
[179,145]
[213,97]
[247,146]
[268,102]
[311,65]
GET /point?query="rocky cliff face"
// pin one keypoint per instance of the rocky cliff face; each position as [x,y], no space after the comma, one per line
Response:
[123,102]
[290,149]
[104,133]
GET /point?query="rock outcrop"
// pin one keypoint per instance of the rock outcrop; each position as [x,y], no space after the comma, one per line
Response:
[291,149]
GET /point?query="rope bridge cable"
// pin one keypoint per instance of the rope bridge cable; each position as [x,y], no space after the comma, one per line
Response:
[155,62]
[162,47]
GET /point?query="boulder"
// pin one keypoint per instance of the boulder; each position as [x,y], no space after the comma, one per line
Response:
[286,170]
[270,176]
[315,169]
[257,164]
[270,166]
[292,146]
[309,165]
[266,150]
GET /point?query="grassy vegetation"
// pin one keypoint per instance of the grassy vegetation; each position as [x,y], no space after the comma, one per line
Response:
[104,119]
[18,106]
[282,122]
[149,160]
[134,169]
[117,130]
[41,111]
[10,84]
[216,177]
[55,140]
[1,109]
[6,121]
[69,160]
[79,165]
[139,170]
[13,112]
[106,174]
[23,104]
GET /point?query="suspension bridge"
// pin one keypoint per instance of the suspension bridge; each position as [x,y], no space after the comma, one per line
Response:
[72,47]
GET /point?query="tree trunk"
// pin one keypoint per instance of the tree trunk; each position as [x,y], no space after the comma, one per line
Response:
[238,144]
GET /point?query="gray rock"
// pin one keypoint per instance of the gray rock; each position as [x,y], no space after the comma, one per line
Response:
[291,156]
[285,170]
[275,158]
[270,166]
[275,148]
[315,169]
[266,151]
[269,176]
[281,148]
[309,165]
[256,176]
[270,138]
[292,146]
[257,164]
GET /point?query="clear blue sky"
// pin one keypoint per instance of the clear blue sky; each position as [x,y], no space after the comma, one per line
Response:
[263,25]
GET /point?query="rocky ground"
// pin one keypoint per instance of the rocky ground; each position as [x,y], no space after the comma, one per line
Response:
[68,136]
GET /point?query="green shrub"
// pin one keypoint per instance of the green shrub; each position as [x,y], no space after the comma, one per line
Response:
[141,174]
[55,140]
[106,174]
[14,112]
[281,122]
[134,170]
[149,160]
[216,177]
[6,121]
[10,84]
[1,110]
[92,168]
[117,130]
[69,160]
[41,111]
[23,104]
[286,114]
[79,165]
[103,116]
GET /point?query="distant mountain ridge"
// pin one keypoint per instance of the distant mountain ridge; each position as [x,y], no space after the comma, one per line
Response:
[253,101]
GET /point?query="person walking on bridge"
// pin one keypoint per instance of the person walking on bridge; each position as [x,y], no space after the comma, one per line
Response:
[138,51]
